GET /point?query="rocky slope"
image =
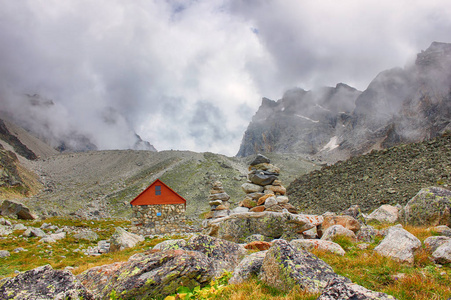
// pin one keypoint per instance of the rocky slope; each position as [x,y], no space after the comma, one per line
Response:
[98,184]
[399,106]
[389,176]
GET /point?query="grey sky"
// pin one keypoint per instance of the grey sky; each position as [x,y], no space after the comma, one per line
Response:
[189,75]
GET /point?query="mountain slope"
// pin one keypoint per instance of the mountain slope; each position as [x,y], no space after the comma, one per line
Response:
[103,183]
[399,106]
[389,176]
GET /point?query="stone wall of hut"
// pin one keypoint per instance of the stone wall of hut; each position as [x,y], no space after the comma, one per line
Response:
[158,219]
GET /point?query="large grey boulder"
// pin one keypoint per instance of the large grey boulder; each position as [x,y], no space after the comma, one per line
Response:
[337,230]
[260,159]
[121,239]
[285,266]
[442,230]
[150,276]
[225,255]
[248,267]
[43,283]
[442,254]
[17,210]
[430,207]
[33,231]
[338,289]
[384,214]
[238,227]
[310,244]
[433,242]
[399,244]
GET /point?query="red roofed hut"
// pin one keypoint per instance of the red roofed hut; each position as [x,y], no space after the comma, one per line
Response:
[158,210]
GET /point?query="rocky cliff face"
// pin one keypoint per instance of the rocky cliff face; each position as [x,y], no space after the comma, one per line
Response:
[301,122]
[399,106]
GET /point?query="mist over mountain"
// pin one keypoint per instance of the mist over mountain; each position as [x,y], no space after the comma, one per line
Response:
[400,105]
[55,124]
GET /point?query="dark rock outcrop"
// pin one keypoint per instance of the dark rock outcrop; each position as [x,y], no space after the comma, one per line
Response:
[16,210]
[285,266]
[337,289]
[43,283]
[149,276]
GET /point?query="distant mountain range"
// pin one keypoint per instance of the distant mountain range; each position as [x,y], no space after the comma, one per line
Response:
[335,123]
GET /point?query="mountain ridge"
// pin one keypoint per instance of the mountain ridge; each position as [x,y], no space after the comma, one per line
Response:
[401,105]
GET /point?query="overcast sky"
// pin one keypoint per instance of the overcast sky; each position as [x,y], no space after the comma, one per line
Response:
[189,75]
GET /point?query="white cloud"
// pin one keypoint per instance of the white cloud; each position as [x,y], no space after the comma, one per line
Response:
[190,74]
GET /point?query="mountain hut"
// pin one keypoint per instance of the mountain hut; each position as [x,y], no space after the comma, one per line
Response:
[158,210]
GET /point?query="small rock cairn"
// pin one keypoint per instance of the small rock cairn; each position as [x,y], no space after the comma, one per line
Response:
[264,191]
[219,202]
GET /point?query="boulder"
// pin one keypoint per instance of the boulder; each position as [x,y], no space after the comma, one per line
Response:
[384,214]
[289,207]
[277,189]
[5,230]
[19,226]
[43,283]
[258,245]
[249,266]
[220,196]
[5,222]
[248,203]
[238,227]
[430,207]
[355,212]
[4,253]
[87,235]
[257,209]
[150,276]
[442,255]
[270,201]
[442,230]
[18,210]
[338,289]
[265,167]
[32,231]
[337,230]
[433,242]
[260,159]
[282,199]
[367,234]
[260,178]
[262,199]
[347,222]
[170,245]
[250,188]
[225,255]
[399,244]
[311,244]
[285,266]
[121,239]
[238,210]
[221,213]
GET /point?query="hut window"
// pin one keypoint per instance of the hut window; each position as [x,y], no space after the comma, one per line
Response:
[158,190]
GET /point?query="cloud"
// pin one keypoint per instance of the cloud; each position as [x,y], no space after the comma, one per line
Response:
[190,74]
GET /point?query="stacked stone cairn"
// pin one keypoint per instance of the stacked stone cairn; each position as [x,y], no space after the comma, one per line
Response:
[264,191]
[219,202]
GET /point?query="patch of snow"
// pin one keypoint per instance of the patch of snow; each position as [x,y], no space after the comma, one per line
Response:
[333,143]
[308,119]
[319,106]
[283,109]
